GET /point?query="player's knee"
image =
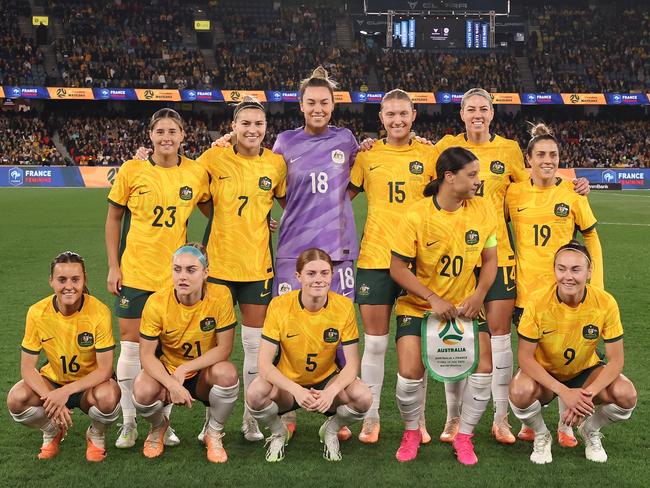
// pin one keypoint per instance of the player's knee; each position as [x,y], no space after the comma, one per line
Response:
[106,396]
[257,394]
[224,374]
[144,391]
[624,393]
[413,371]
[18,397]
[522,391]
[362,399]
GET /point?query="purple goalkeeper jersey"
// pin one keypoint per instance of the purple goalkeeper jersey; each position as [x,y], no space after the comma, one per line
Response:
[318,211]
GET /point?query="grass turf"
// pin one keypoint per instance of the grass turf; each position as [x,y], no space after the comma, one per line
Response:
[36,224]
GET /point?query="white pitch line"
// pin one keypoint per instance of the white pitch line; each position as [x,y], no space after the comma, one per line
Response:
[623,223]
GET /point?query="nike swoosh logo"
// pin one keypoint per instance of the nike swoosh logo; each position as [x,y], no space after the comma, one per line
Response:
[374,167]
[252,372]
[262,295]
[289,336]
[293,160]
[510,288]
[347,293]
[505,367]
[48,339]
[143,192]
[429,244]
[223,177]
[548,331]
[521,209]
[170,331]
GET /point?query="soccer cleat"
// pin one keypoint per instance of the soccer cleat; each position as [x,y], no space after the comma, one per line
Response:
[501,431]
[250,429]
[565,436]
[289,421]
[127,436]
[542,449]
[276,444]
[344,434]
[154,444]
[331,447]
[594,450]
[95,442]
[450,430]
[426,437]
[214,445]
[171,439]
[408,448]
[50,447]
[465,449]
[370,431]
[526,434]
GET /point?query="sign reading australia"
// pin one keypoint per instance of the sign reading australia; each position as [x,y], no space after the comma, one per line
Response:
[457,6]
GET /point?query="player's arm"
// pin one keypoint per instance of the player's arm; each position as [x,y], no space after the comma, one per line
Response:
[30,374]
[221,352]
[615,360]
[342,380]
[178,394]
[112,231]
[592,242]
[471,306]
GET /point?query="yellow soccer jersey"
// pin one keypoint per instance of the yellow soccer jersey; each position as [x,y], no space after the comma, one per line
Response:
[543,219]
[567,337]
[70,343]
[186,333]
[502,163]
[445,247]
[238,238]
[393,177]
[158,203]
[308,340]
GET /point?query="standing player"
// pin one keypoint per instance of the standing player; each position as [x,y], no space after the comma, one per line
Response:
[194,322]
[501,164]
[393,174]
[546,212]
[74,330]
[559,331]
[443,237]
[305,327]
[153,200]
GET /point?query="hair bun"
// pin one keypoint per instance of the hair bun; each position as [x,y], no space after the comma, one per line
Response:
[540,129]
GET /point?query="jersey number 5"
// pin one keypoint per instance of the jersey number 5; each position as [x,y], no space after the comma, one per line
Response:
[311,364]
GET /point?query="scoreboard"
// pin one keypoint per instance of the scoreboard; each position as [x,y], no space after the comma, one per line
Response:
[437,6]
[441,33]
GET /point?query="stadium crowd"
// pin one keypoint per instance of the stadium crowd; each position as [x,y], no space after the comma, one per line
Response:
[27,139]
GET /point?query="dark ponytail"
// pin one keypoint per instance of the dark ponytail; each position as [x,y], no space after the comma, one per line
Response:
[70,257]
[451,159]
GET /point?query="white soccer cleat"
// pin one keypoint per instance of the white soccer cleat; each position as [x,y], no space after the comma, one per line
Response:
[542,449]
[127,436]
[250,429]
[276,444]
[331,447]
[171,439]
[594,450]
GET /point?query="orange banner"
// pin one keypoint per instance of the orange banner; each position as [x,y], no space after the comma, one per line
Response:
[158,95]
[237,95]
[342,97]
[2,92]
[98,176]
[422,97]
[67,93]
[584,98]
[506,98]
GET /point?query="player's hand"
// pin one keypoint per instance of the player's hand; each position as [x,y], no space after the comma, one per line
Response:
[581,186]
[324,400]
[367,144]
[55,400]
[179,374]
[114,281]
[471,307]
[577,400]
[142,153]
[274,225]
[571,417]
[179,395]
[223,141]
[421,140]
[446,310]
[305,398]
[63,418]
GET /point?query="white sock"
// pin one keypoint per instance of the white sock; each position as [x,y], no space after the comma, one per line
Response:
[344,416]
[167,410]
[561,407]
[531,416]
[34,417]
[410,396]
[606,415]
[501,373]
[425,383]
[250,340]
[269,416]
[128,367]
[101,420]
[153,413]
[475,399]
[454,397]
[222,401]
[372,368]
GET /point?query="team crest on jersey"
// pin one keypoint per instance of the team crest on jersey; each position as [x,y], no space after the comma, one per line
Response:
[331,335]
[265,183]
[590,332]
[497,167]
[85,339]
[416,167]
[364,290]
[561,210]
[185,193]
[338,156]
[284,288]
[404,321]
[207,324]
[124,302]
[471,237]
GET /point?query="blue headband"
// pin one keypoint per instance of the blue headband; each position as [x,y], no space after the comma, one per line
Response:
[194,252]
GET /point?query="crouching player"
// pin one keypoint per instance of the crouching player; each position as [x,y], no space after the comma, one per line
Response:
[559,331]
[74,330]
[194,322]
[306,326]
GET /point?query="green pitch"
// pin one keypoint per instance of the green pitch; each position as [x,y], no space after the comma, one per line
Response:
[36,224]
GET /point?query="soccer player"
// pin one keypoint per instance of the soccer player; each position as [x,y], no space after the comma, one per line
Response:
[393,174]
[305,327]
[502,163]
[443,237]
[194,323]
[73,328]
[153,200]
[559,331]
[545,213]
